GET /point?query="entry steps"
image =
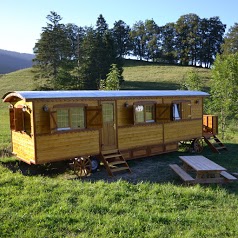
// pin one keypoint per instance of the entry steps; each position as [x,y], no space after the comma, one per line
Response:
[214,143]
[114,162]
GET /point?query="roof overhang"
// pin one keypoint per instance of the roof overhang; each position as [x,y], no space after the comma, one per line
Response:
[96,94]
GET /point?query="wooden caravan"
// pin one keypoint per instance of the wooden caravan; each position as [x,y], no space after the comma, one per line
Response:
[50,126]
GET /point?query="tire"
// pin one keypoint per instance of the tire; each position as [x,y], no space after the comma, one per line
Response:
[95,163]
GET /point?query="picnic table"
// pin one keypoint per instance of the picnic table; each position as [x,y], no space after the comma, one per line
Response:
[206,171]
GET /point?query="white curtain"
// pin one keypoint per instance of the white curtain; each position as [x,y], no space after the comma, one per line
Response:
[176,115]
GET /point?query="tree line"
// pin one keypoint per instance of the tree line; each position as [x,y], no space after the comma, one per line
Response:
[74,57]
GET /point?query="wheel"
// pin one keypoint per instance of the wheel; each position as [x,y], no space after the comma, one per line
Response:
[198,145]
[184,145]
[82,166]
[95,163]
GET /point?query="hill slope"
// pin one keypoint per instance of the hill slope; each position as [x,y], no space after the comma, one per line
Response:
[147,76]
[137,75]
[11,61]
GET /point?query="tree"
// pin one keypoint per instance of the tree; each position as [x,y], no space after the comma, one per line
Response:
[230,45]
[187,33]
[213,40]
[224,88]
[192,81]
[97,52]
[152,40]
[121,36]
[168,44]
[112,82]
[138,38]
[52,50]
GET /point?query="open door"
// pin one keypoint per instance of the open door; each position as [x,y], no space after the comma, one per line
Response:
[109,131]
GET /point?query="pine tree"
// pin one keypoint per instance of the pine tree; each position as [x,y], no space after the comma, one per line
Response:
[52,50]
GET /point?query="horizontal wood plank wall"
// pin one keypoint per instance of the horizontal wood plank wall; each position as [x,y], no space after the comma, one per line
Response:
[196,108]
[43,118]
[63,146]
[23,146]
[182,130]
[137,136]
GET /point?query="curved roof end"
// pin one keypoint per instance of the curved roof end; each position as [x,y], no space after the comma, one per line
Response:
[12,97]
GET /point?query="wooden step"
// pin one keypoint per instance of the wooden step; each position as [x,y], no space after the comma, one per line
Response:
[106,152]
[215,146]
[181,173]
[114,161]
[111,156]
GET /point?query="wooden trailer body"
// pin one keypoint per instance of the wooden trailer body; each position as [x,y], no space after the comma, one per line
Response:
[48,126]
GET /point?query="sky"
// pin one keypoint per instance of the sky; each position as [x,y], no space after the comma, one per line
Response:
[21,21]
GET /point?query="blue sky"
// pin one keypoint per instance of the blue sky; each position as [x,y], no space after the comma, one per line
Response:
[21,21]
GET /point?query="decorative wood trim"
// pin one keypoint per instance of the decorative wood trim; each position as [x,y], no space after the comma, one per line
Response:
[34,132]
[67,131]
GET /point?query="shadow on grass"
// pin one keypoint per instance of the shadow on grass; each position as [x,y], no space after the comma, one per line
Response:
[49,170]
[142,85]
[154,169]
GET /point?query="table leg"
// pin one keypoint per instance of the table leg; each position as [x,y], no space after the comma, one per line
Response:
[186,167]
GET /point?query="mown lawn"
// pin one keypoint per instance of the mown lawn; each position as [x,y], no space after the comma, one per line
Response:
[150,202]
[39,206]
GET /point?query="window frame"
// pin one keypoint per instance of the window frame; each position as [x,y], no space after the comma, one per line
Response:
[92,117]
[20,120]
[184,110]
[69,107]
[145,104]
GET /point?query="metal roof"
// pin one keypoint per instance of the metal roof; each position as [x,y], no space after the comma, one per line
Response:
[30,95]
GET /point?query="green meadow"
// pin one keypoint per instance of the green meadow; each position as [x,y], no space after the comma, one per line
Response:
[46,201]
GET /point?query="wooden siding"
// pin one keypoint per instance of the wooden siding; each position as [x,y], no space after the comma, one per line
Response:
[23,146]
[182,130]
[137,136]
[134,140]
[63,146]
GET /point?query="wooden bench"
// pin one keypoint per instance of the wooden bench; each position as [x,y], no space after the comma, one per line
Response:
[181,173]
[228,176]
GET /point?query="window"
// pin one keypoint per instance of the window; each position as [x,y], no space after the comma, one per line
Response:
[181,110]
[20,119]
[70,118]
[144,113]
[176,111]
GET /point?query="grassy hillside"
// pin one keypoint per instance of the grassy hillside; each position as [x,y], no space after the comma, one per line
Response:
[137,75]
[144,75]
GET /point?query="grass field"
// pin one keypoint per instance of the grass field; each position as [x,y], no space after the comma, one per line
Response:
[48,201]
[142,75]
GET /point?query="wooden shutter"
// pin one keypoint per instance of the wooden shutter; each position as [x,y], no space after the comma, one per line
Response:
[163,112]
[18,119]
[53,119]
[12,118]
[186,110]
[128,115]
[93,117]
